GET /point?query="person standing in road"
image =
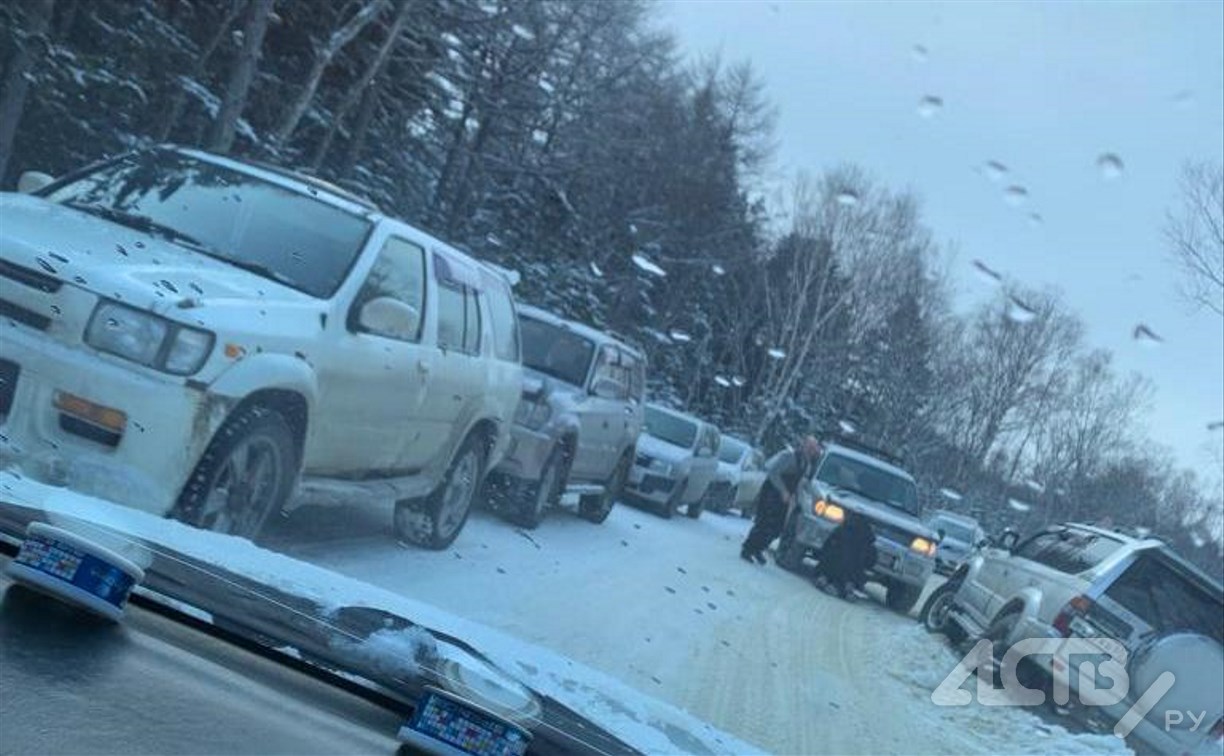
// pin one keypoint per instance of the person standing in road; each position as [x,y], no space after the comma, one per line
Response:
[785,472]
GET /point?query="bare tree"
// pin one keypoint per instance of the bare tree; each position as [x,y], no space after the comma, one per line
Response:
[31,43]
[324,54]
[233,102]
[199,65]
[1195,234]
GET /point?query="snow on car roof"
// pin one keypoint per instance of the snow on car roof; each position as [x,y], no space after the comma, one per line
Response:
[586,331]
[867,459]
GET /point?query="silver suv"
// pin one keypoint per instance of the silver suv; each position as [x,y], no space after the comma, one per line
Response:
[1079,581]
[860,480]
[577,423]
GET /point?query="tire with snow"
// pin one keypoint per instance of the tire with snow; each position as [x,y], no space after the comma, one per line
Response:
[596,507]
[434,521]
[901,597]
[532,499]
[936,612]
[246,473]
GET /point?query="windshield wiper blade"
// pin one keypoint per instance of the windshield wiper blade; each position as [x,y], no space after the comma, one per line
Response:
[139,223]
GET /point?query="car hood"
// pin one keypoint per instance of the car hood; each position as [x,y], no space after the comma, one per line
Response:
[388,637]
[659,449]
[123,263]
[877,510]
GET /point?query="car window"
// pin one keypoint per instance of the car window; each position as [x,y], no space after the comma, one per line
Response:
[1167,599]
[471,321]
[293,238]
[635,370]
[451,314]
[608,367]
[398,273]
[840,471]
[673,429]
[730,450]
[502,318]
[556,351]
[1069,551]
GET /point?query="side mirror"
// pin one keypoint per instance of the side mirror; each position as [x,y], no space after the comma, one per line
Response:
[389,317]
[1008,539]
[606,388]
[32,181]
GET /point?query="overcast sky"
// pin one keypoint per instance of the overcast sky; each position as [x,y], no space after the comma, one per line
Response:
[1045,89]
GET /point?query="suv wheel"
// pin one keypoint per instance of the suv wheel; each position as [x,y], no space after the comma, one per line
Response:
[532,499]
[936,612]
[435,520]
[597,507]
[244,475]
[901,597]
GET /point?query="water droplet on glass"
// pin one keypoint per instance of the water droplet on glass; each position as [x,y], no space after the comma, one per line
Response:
[848,198]
[79,279]
[195,287]
[1015,195]
[1034,486]
[121,250]
[1146,336]
[57,256]
[1110,166]
[112,323]
[994,170]
[1019,312]
[139,245]
[45,265]
[644,264]
[776,354]
[986,273]
[920,53]
[1018,505]
[847,427]
[930,106]
[168,286]
[680,337]
[595,270]
[721,381]
[718,270]
[950,494]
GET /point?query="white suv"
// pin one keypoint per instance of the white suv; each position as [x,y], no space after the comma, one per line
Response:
[187,334]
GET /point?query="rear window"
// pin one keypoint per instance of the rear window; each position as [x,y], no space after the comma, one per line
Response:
[1069,551]
[502,318]
[1168,600]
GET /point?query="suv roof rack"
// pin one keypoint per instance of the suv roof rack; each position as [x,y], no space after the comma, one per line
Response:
[853,443]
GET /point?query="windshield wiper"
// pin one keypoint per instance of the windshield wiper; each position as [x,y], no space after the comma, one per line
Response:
[140,223]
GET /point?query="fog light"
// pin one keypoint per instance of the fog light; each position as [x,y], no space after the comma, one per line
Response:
[82,409]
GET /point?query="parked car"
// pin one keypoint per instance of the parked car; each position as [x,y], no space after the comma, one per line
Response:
[861,480]
[190,333]
[675,461]
[578,421]
[738,479]
[1079,581]
[958,536]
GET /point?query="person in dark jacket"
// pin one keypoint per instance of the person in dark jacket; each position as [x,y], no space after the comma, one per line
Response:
[847,554]
[785,472]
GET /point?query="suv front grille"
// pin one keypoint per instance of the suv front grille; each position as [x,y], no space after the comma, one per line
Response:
[25,316]
[31,278]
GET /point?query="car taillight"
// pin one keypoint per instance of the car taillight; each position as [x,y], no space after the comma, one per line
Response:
[1076,607]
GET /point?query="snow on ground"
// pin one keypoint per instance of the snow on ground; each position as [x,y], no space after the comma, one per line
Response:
[661,607]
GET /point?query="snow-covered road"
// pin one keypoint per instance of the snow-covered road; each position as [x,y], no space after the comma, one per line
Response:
[667,607]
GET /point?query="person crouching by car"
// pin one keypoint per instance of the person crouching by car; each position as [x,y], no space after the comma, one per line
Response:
[785,472]
[847,555]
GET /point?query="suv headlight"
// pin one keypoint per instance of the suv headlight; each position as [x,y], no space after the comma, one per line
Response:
[923,546]
[532,415]
[147,339]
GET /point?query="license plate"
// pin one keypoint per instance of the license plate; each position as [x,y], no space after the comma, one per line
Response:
[441,718]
